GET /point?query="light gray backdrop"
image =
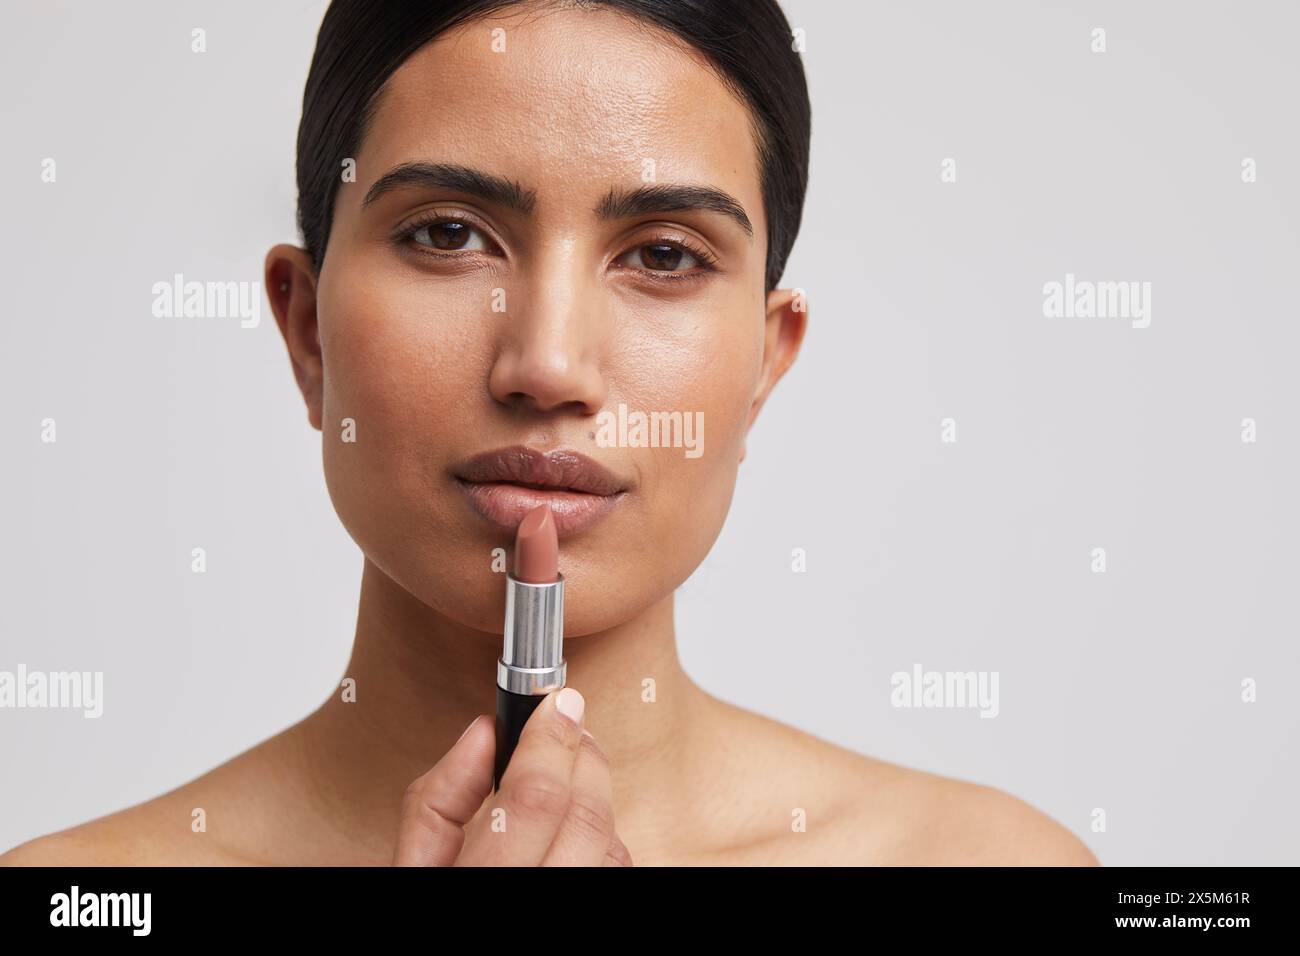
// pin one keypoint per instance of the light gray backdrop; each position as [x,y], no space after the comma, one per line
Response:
[1119,691]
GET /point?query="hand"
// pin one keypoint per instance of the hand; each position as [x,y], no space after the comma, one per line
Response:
[555,805]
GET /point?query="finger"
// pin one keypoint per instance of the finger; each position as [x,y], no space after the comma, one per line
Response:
[617,854]
[527,811]
[588,826]
[438,804]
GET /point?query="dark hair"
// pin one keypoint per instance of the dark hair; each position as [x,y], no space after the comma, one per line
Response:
[362,42]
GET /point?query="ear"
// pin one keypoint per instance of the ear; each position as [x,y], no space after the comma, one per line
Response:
[787,319]
[291,286]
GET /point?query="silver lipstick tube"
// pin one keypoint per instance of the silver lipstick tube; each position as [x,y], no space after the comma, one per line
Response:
[532,659]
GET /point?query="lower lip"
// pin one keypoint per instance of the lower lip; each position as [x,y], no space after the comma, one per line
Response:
[505,505]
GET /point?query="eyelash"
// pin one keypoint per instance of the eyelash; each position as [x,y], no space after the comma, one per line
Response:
[407,232]
[707,262]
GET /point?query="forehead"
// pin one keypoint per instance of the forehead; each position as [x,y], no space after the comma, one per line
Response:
[567,102]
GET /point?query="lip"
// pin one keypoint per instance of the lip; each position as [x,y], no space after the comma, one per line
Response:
[504,484]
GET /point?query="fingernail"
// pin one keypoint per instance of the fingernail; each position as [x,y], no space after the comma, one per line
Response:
[465,731]
[570,703]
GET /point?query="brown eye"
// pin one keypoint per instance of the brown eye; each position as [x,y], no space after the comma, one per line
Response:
[448,235]
[661,257]
[664,257]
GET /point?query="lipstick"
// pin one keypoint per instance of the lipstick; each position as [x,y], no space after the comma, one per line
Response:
[532,658]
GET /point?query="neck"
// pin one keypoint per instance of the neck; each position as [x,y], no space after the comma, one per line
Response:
[420,679]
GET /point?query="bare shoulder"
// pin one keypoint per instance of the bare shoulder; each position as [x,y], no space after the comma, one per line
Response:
[157,832]
[186,826]
[873,812]
[950,822]
[118,839]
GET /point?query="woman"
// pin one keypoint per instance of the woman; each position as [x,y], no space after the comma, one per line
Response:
[517,216]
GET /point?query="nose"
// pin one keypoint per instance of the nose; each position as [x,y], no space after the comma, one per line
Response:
[551,336]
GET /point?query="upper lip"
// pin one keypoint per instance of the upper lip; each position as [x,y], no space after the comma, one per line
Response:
[560,470]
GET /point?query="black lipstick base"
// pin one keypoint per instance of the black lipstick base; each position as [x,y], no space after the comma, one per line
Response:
[513,711]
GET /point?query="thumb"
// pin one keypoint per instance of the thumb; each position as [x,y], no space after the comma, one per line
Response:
[437,805]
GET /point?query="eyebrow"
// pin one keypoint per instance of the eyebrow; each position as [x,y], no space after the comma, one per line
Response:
[666,198]
[617,204]
[463,179]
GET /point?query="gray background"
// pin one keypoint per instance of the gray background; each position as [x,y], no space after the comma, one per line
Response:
[1118,691]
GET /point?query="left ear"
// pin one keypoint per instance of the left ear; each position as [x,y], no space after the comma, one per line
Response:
[787,319]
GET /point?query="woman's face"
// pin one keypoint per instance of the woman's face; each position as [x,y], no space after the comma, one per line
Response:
[456,317]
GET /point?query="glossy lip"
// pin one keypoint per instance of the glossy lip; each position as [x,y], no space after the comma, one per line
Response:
[504,484]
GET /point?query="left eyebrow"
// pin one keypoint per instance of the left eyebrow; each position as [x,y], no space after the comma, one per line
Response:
[623,204]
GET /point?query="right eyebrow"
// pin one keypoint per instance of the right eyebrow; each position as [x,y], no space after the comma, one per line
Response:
[465,179]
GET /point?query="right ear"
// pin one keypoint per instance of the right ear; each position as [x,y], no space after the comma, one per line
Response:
[291,287]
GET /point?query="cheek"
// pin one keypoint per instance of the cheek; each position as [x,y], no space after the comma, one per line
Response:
[707,369]
[400,353]
[706,363]
[393,345]
[402,371]
[385,370]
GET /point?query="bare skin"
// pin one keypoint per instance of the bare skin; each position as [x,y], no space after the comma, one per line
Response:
[392,337]
[264,808]
[328,791]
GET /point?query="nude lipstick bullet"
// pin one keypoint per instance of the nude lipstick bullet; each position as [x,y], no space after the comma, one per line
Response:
[532,659]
